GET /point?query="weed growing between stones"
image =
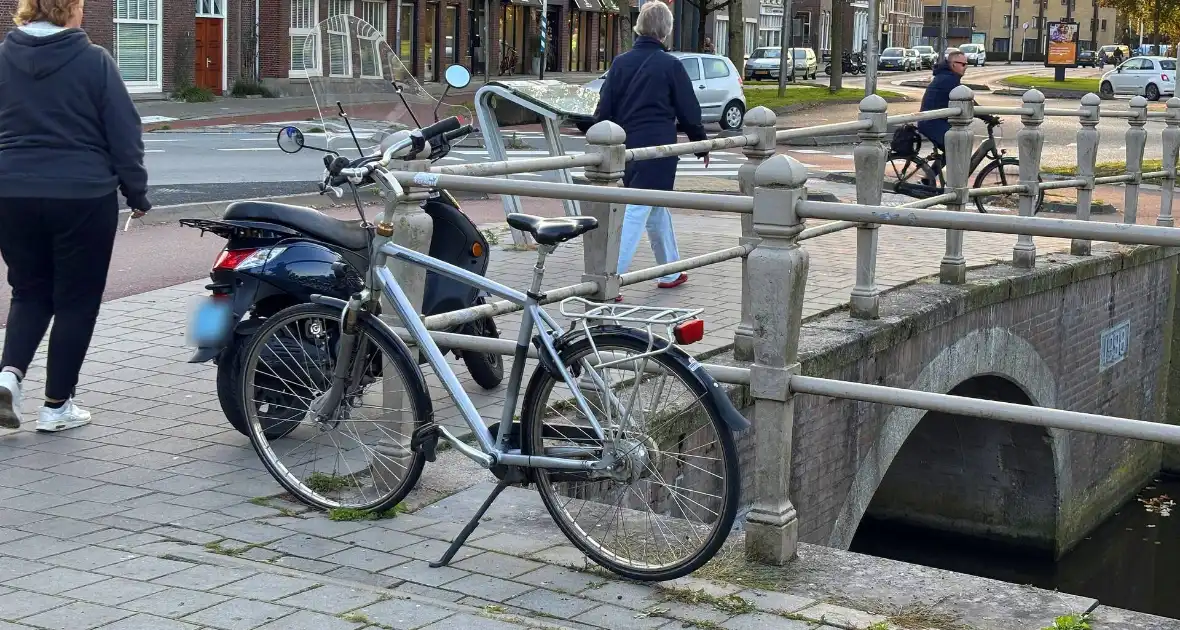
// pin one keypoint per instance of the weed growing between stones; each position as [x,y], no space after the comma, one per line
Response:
[353,514]
[1070,622]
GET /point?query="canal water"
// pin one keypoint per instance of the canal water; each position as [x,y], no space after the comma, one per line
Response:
[1131,561]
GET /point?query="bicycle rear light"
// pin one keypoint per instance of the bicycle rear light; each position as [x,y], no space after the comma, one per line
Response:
[690,331]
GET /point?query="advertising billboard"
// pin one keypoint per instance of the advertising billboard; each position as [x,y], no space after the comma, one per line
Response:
[1062,46]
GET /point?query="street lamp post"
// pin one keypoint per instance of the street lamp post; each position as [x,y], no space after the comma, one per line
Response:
[871,47]
[1012,29]
[942,30]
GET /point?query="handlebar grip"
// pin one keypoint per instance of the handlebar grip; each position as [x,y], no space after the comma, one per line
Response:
[458,133]
[445,125]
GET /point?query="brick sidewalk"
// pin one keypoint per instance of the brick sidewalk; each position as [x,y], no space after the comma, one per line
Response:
[154,517]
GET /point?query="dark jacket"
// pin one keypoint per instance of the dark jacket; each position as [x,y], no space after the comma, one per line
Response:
[646,92]
[68,128]
[938,96]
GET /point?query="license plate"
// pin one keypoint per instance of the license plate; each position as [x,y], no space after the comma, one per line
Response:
[209,322]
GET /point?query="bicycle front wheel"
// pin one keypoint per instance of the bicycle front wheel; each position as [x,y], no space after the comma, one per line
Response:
[1003,172]
[669,501]
[359,456]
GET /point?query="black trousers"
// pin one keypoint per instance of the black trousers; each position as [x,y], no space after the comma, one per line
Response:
[58,252]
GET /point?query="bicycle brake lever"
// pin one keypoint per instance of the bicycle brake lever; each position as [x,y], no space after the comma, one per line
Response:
[334,191]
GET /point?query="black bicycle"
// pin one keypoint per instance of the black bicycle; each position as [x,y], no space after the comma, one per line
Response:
[908,173]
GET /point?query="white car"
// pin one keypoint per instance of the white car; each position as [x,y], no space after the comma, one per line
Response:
[718,86]
[765,63]
[1152,77]
[976,55]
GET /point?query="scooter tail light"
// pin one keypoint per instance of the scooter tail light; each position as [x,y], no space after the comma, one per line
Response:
[690,331]
[229,259]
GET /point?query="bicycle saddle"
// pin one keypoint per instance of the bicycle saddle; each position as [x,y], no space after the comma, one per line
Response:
[552,231]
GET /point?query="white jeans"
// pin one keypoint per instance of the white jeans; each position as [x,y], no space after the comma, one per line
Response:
[658,222]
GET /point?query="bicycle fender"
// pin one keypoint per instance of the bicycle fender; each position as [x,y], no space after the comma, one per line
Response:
[715,395]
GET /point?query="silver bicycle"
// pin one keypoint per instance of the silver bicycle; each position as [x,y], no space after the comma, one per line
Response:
[629,441]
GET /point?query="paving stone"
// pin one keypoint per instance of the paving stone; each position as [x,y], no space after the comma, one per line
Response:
[133,541]
[84,467]
[162,513]
[772,601]
[608,616]
[304,564]
[472,622]
[140,621]
[331,599]
[76,616]
[308,620]
[253,532]
[326,528]
[4,625]
[367,559]
[487,587]
[411,522]
[37,547]
[497,564]
[101,536]
[88,558]
[88,510]
[123,522]
[12,568]
[559,579]
[114,591]
[243,510]
[404,614]
[185,535]
[840,616]
[133,476]
[144,568]
[174,602]
[20,604]
[111,493]
[203,577]
[260,554]
[363,577]
[266,586]
[552,603]
[209,521]
[55,581]
[306,546]
[381,539]
[513,544]
[34,501]
[431,550]
[238,614]
[764,621]
[38,460]
[61,527]
[207,500]
[432,592]
[12,517]
[626,594]
[421,572]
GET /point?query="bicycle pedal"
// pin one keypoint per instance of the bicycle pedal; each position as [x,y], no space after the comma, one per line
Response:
[424,440]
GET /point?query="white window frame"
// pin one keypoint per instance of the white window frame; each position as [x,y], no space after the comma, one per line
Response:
[149,86]
[341,7]
[304,32]
[382,8]
[750,32]
[721,33]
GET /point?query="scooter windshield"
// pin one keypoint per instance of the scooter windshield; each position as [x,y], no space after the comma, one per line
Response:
[353,72]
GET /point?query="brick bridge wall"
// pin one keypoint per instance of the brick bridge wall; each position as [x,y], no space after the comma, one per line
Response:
[1038,329]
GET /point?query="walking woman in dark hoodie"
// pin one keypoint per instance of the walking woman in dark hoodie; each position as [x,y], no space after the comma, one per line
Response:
[70,139]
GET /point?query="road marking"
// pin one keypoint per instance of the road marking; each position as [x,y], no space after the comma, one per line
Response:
[807,151]
[159,140]
[153,150]
[251,149]
[843,157]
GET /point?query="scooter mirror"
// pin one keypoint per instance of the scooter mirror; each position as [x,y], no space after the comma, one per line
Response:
[457,77]
[290,140]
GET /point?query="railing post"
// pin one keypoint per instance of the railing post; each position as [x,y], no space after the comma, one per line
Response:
[1136,143]
[759,122]
[1030,140]
[600,247]
[1171,148]
[778,281]
[959,141]
[1088,138]
[869,156]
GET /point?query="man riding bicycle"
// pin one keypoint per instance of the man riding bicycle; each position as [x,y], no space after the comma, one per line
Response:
[948,75]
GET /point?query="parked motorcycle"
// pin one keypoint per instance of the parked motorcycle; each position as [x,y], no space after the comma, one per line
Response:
[851,64]
[278,255]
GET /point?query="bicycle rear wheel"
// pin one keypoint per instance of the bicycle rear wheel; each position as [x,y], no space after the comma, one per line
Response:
[360,457]
[1003,172]
[669,504]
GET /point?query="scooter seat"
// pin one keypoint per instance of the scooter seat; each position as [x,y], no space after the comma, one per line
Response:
[348,234]
[552,231]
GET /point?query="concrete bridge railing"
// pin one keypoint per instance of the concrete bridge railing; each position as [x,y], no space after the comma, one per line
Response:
[773,208]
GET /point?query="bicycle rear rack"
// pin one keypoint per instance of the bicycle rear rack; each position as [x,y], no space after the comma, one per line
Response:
[645,317]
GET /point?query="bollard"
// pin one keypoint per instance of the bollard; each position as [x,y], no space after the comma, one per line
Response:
[1088,138]
[600,247]
[869,158]
[959,141]
[412,229]
[1136,142]
[1030,140]
[1171,142]
[760,122]
[778,281]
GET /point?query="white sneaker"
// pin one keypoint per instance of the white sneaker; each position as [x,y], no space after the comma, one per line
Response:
[68,416]
[10,401]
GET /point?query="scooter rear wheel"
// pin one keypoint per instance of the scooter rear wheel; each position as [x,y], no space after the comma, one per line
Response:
[486,368]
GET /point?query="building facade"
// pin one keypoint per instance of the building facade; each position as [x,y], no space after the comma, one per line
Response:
[991,23]
[811,27]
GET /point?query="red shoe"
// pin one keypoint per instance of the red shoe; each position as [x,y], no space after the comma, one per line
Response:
[619,297]
[675,283]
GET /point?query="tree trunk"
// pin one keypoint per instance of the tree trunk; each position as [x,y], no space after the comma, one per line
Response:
[737,36]
[1155,36]
[837,71]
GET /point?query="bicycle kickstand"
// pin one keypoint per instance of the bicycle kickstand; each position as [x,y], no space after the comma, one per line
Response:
[470,527]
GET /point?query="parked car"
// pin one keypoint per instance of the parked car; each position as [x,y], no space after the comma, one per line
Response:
[1152,77]
[976,55]
[1087,59]
[928,54]
[764,64]
[718,86]
[914,59]
[893,59]
[805,63]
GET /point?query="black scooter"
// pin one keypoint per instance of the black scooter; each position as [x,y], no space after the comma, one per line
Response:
[278,255]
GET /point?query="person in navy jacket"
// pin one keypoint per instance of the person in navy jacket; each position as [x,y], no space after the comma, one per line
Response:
[647,92]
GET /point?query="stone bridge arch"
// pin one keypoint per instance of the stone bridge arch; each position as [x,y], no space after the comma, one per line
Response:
[982,352]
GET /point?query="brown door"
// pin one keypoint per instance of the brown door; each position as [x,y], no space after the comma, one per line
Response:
[207,56]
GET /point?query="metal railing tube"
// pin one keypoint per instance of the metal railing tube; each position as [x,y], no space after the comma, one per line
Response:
[1063,183]
[1155,175]
[824,130]
[1070,113]
[988,191]
[951,220]
[712,258]
[936,200]
[511,167]
[503,307]
[688,148]
[1114,179]
[831,227]
[1007,111]
[933,114]
[581,192]
[991,409]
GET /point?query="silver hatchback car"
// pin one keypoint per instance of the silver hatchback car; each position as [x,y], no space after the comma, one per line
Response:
[718,86]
